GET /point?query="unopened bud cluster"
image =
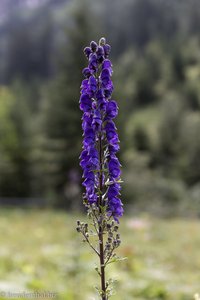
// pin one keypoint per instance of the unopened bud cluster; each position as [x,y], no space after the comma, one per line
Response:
[113,240]
[83,228]
[109,230]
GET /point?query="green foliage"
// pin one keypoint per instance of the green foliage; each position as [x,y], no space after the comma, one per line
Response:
[14,142]
[59,143]
[141,139]
[154,291]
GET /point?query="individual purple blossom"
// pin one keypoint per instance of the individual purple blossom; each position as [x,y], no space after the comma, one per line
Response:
[107,65]
[93,63]
[105,78]
[87,51]
[92,86]
[114,168]
[111,109]
[107,49]
[85,103]
[87,72]
[93,46]
[101,167]
[100,54]
[97,120]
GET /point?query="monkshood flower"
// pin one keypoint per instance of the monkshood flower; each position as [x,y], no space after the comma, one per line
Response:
[99,110]
[98,159]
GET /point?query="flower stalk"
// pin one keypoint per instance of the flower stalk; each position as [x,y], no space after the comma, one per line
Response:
[101,167]
[101,242]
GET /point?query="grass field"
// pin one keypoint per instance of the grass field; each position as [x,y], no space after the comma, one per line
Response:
[41,251]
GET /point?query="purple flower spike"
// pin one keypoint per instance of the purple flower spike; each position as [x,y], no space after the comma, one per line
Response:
[101,167]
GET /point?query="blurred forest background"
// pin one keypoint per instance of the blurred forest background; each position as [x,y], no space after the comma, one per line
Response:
[156,59]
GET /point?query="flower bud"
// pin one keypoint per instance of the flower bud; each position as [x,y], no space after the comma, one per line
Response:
[110,234]
[100,54]
[115,243]
[87,51]
[116,228]
[102,41]
[78,229]
[118,243]
[93,46]
[108,226]
[108,246]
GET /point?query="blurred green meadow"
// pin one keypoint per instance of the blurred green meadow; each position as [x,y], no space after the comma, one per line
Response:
[41,251]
